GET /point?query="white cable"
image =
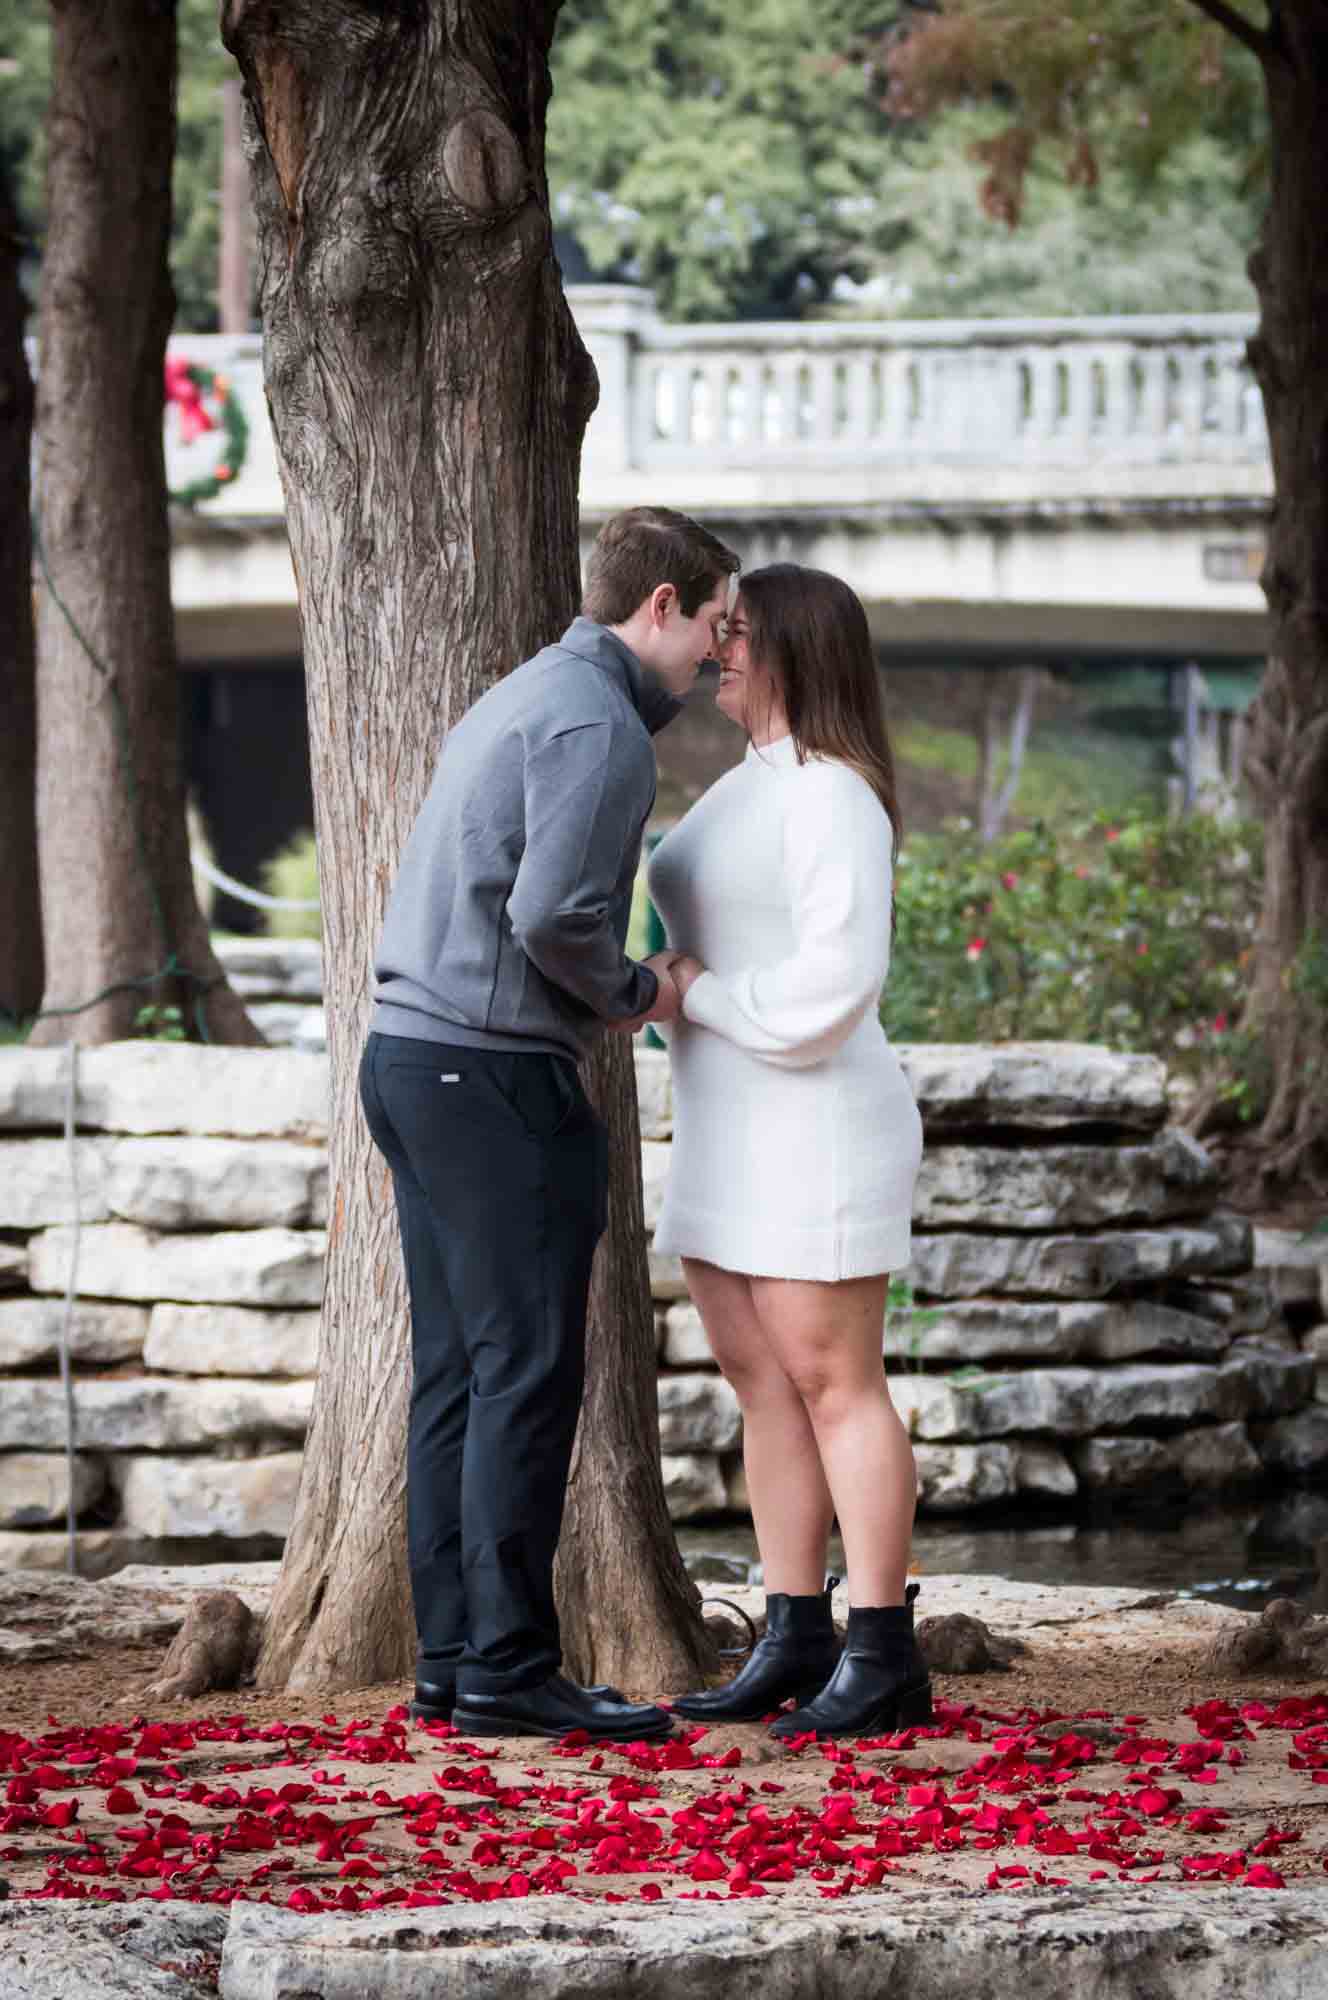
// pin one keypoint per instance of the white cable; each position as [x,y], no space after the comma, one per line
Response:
[220,880]
[66,1324]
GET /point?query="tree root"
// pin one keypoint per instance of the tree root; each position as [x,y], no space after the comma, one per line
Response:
[216,1647]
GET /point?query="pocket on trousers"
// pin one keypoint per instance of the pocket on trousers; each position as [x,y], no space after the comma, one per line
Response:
[545,1093]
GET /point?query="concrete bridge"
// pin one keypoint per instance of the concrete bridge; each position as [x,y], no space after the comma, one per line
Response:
[993,489]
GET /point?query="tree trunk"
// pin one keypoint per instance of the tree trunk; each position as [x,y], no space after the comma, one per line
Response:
[20,904]
[233,283]
[998,782]
[120,916]
[429,393]
[1286,759]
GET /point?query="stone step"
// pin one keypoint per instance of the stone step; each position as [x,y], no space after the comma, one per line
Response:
[154,1413]
[120,1260]
[168,1183]
[1213,1458]
[98,1334]
[1035,1085]
[145,1087]
[955,1264]
[1063,1187]
[972,1330]
[229,1340]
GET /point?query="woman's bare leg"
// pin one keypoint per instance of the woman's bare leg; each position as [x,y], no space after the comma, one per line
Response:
[827,1339]
[791,1505]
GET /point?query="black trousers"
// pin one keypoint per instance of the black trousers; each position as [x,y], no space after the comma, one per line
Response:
[500,1168]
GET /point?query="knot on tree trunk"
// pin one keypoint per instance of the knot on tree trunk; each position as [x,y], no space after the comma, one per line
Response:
[484,165]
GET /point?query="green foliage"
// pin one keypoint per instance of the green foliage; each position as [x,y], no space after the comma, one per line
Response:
[160,1024]
[1179,245]
[730,161]
[204,66]
[1136,935]
[292,873]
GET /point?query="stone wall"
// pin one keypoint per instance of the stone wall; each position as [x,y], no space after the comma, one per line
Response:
[1083,1320]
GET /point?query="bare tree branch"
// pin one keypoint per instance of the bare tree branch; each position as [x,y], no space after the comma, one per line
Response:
[1236,24]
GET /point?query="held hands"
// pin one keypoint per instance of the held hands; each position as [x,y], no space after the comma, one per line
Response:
[675,971]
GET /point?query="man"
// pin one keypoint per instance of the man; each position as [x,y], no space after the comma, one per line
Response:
[502,957]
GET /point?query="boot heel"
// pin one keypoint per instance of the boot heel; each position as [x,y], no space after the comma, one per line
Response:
[914,1710]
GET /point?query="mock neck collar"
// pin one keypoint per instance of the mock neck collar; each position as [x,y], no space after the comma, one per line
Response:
[605,650]
[781,755]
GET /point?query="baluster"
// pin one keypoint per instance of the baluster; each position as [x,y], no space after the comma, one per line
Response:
[860,415]
[896,418]
[1152,422]
[1079,362]
[820,418]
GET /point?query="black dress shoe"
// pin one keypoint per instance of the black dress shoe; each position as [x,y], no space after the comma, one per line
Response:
[556,1707]
[793,1659]
[435,1700]
[880,1684]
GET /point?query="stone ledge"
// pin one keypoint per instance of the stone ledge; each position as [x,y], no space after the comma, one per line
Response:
[1063,1187]
[1037,1085]
[229,1340]
[143,1087]
[972,1330]
[955,1264]
[167,1183]
[1115,1942]
[98,1334]
[154,1413]
[120,1260]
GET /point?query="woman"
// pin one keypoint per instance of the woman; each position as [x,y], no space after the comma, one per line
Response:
[796,1145]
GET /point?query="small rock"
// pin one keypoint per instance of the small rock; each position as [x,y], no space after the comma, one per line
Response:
[958,1644]
[215,1648]
[1283,1639]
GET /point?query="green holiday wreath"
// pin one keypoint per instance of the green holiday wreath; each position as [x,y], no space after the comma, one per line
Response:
[207,402]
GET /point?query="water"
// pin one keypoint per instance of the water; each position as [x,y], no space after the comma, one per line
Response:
[1244,1556]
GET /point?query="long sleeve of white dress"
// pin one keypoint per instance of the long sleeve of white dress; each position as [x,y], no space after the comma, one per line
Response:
[837,851]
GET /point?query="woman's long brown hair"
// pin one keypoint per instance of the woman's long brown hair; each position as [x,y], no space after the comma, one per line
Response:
[810,632]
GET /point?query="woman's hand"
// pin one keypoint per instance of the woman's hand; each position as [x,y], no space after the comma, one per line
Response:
[684,971]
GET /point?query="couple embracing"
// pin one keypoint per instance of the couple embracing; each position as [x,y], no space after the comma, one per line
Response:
[796,1139]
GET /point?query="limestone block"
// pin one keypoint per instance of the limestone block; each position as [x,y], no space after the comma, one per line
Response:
[1295,1264]
[273,968]
[693,1484]
[169,1087]
[13,1266]
[1296,1446]
[1271,1383]
[154,1413]
[655,1157]
[1061,1402]
[961,1478]
[95,1550]
[654,1093]
[975,1330]
[698,1413]
[287,1024]
[666,1279]
[959,1264]
[685,1343]
[1063,1187]
[34,1487]
[1241,1305]
[36,1185]
[218,1183]
[120,1260]
[1214,1458]
[230,1340]
[163,1498]
[1038,1085]
[30,1332]
[1211,1458]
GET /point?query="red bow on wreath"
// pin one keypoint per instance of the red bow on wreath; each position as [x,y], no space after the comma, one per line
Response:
[184,392]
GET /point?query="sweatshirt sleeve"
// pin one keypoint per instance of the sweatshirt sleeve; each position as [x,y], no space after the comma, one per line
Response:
[582,808]
[838,858]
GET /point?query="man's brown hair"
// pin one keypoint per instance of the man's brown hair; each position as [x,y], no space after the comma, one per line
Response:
[639,549]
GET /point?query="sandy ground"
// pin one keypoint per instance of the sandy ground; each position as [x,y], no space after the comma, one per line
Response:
[1109,1750]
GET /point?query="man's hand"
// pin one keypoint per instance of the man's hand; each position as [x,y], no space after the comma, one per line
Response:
[667,1000]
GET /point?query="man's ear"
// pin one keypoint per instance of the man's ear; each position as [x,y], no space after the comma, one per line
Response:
[662,600]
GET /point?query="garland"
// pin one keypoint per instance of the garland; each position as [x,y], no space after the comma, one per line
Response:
[191,387]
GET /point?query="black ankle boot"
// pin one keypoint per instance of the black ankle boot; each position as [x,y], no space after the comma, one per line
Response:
[794,1656]
[880,1683]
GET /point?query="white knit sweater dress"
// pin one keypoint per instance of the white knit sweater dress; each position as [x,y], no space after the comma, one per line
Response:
[796,1138]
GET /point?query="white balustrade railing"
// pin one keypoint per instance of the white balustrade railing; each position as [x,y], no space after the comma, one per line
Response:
[969,391]
[825,411]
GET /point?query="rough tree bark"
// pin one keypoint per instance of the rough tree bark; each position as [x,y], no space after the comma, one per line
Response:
[429,393]
[1286,757]
[20,904]
[118,900]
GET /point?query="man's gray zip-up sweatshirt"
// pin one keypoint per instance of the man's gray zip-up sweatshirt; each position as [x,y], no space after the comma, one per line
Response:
[508,920]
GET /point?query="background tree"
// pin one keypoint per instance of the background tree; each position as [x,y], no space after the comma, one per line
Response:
[1121,81]
[20,905]
[120,919]
[429,393]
